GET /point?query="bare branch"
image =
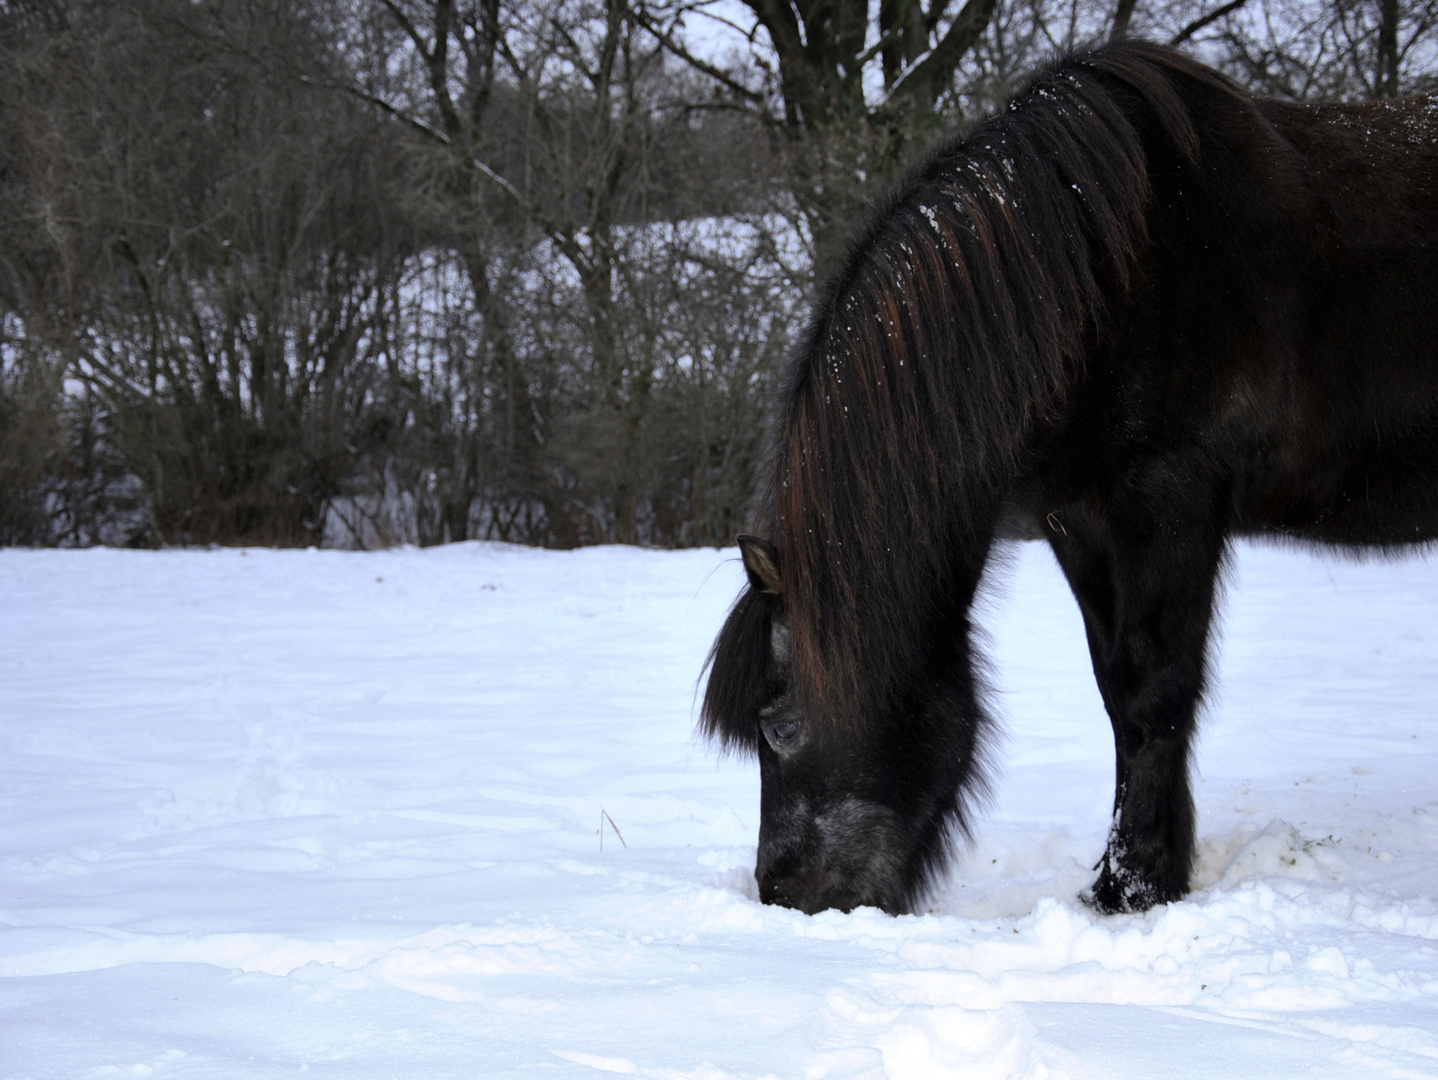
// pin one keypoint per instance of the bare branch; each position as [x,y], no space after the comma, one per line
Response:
[666,38]
[380,103]
[1206,20]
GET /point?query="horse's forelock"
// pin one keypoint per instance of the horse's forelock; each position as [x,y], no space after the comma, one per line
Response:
[738,666]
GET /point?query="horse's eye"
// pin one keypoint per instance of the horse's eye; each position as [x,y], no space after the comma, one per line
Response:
[784,732]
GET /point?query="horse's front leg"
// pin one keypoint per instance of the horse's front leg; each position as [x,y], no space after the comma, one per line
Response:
[1145,582]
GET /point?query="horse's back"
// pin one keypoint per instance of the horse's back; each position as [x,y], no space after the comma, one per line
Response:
[1370,249]
[1361,463]
[1287,330]
[1374,163]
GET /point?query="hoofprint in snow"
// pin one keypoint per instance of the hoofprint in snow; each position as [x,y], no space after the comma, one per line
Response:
[266,812]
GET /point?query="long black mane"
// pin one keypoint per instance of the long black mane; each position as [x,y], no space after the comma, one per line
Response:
[957,321]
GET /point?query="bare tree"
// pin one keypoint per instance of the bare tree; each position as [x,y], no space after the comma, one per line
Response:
[849,91]
[561,129]
[215,238]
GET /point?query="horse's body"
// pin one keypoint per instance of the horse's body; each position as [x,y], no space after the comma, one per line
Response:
[1136,314]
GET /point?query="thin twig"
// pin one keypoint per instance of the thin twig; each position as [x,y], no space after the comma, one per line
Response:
[603,817]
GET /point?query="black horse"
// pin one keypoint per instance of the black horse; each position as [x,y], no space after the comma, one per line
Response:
[1137,313]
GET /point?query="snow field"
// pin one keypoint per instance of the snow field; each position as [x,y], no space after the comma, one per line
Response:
[337,813]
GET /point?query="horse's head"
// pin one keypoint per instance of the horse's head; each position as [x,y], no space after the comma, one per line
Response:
[850,814]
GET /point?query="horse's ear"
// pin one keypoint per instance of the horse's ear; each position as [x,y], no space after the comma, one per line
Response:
[761,562]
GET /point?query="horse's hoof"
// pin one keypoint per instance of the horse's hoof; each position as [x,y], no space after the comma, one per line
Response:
[1120,893]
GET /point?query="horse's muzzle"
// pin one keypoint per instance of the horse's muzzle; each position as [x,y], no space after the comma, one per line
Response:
[802,892]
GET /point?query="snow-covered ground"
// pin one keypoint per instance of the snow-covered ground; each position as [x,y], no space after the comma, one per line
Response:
[264,813]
